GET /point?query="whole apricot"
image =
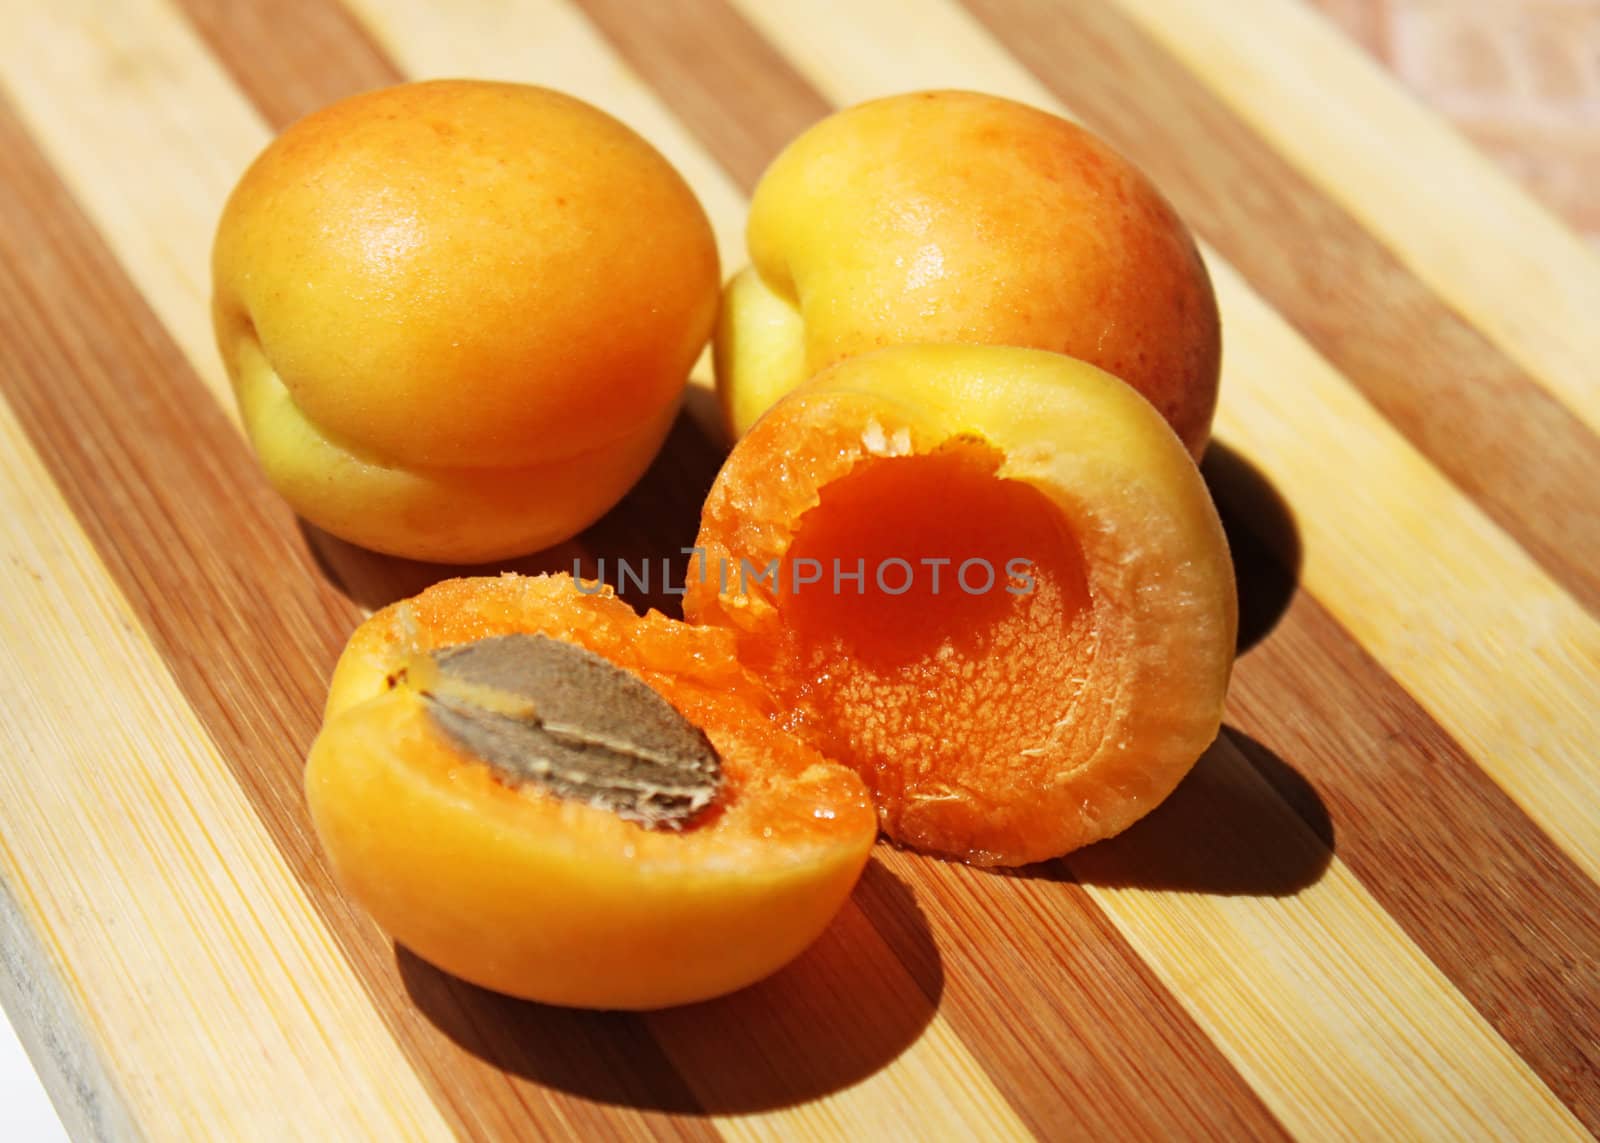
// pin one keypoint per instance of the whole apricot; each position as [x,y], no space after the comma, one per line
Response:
[949,216]
[458,316]
[989,579]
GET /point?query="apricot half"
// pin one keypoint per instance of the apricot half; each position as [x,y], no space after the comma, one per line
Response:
[546,897]
[949,216]
[989,579]
[458,316]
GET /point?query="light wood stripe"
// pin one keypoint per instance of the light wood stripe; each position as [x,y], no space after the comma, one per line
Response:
[1462,226]
[151,927]
[1280,980]
[846,1022]
[1496,905]
[76,1075]
[1471,410]
[1452,628]
[84,87]
[1497,654]
[1039,1006]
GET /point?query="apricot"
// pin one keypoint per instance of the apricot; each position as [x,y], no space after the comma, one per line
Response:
[989,579]
[550,897]
[458,316]
[950,216]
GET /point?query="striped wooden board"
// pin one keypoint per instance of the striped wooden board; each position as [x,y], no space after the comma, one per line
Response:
[1373,911]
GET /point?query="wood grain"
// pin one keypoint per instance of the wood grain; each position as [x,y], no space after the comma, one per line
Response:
[1173,1070]
[1433,199]
[932,1070]
[1502,911]
[1518,80]
[1408,353]
[1394,936]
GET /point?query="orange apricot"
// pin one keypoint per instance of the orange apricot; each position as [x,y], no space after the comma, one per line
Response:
[957,217]
[989,579]
[547,897]
[458,316]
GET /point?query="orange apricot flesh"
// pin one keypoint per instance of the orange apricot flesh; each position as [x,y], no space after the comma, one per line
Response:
[1069,664]
[519,891]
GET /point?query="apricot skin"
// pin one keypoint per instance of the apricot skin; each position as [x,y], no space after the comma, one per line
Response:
[458,316]
[1161,609]
[519,892]
[954,217]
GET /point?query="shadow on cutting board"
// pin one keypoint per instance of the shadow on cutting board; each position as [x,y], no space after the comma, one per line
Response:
[658,518]
[661,516]
[1243,823]
[845,1009]
[1262,535]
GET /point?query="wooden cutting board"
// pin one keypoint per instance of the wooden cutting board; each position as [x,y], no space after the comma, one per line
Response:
[1371,912]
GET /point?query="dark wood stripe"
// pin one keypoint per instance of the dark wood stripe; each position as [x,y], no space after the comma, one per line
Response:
[290,57]
[1077,1032]
[759,102]
[212,563]
[1486,895]
[1401,794]
[743,103]
[1502,438]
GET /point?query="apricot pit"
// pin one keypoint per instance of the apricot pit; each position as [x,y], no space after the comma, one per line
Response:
[544,711]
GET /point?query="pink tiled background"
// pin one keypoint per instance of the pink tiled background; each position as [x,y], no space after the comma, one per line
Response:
[1519,77]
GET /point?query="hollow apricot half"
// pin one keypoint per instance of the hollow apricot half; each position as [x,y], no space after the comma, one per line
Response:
[518,890]
[990,579]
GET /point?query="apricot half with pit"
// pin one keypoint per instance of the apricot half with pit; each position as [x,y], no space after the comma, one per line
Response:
[458,316]
[956,217]
[990,579]
[540,791]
